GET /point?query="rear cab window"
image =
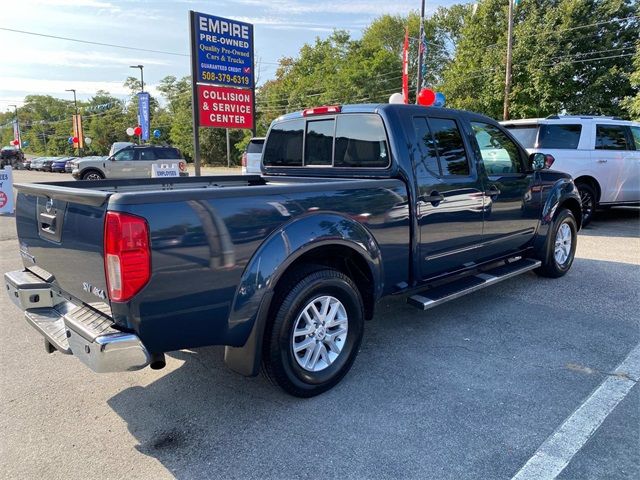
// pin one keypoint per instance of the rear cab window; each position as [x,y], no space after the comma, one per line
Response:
[350,140]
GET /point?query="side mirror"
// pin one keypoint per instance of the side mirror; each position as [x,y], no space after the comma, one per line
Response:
[540,161]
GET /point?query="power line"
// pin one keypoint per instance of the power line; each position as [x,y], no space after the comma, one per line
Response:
[112,45]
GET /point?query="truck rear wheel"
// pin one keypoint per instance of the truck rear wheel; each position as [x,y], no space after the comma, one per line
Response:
[561,246]
[315,332]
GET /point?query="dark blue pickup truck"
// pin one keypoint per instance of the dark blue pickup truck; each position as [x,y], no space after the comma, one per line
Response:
[354,203]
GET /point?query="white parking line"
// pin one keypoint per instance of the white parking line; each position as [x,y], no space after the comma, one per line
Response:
[558,449]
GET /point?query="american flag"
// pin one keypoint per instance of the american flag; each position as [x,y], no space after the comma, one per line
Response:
[423,44]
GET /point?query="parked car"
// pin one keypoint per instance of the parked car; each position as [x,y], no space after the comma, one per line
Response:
[284,268]
[11,156]
[59,164]
[134,161]
[27,163]
[36,163]
[602,154]
[252,156]
[45,165]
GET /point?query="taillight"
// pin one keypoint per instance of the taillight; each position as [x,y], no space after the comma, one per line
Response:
[244,159]
[127,256]
[548,160]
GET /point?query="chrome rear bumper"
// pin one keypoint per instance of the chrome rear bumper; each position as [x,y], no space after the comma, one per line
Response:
[75,329]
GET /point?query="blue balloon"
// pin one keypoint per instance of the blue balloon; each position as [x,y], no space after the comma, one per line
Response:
[440,99]
[70,140]
[156,133]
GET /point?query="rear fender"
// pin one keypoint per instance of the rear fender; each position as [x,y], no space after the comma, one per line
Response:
[249,313]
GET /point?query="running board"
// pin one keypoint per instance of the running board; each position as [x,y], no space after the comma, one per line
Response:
[433,297]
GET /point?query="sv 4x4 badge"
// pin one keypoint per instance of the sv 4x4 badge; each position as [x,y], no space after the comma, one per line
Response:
[98,292]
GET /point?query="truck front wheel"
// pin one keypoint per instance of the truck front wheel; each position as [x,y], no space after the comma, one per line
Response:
[315,332]
[561,246]
[92,175]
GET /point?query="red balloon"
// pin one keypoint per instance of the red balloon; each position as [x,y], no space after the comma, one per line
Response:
[15,142]
[426,97]
[75,139]
[137,130]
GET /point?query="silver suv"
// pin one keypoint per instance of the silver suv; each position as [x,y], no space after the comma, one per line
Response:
[134,161]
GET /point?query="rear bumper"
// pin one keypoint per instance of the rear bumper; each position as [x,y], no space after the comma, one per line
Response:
[75,329]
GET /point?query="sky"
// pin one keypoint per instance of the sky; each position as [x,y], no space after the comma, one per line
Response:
[37,65]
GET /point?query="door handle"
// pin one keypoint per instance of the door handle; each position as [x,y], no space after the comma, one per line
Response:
[492,192]
[435,198]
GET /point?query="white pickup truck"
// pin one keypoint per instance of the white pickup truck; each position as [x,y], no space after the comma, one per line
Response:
[602,154]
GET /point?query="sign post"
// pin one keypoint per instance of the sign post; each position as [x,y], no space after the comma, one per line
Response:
[6,190]
[222,75]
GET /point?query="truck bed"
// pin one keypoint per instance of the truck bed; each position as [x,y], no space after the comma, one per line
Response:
[208,236]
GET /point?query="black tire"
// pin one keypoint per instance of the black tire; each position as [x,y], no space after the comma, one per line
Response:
[550,266]
[589,202]
[92,175]
[279,362]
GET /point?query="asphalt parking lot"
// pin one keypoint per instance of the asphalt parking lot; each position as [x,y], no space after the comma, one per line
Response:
[488,386]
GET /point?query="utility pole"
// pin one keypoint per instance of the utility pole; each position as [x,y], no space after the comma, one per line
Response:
[78,123]
[420,51]
[507,80]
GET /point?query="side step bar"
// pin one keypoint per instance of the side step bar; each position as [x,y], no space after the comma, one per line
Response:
[433,297]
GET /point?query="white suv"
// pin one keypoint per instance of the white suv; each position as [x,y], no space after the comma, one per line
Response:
[602,154]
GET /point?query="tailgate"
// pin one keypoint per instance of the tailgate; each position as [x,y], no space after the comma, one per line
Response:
[60,230]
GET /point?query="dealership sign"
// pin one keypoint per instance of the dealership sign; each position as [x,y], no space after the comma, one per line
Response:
[224,50]
[222,81]
[225,107]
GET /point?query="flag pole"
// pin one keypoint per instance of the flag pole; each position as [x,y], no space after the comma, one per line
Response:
[420,51]
[507,80]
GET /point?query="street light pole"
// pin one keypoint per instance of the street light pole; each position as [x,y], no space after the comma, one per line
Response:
[77,122]
[15,108]
[141,67]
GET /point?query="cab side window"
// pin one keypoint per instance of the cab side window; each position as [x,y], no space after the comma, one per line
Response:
[499,153]
[611,137]
[450,147]
[427,161]
[147,154]
[125,155]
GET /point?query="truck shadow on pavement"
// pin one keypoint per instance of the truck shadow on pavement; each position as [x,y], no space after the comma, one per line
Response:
[466,390]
